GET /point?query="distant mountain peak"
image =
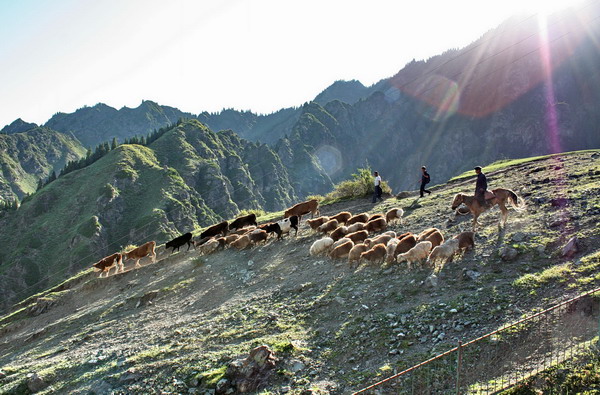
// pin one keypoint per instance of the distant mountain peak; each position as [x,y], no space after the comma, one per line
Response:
[18,126]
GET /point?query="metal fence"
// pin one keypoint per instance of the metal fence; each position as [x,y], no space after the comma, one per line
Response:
[505,357]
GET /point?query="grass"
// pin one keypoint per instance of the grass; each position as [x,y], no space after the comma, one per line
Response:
[505,163]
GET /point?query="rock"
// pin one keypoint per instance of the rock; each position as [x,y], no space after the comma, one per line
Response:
[432,281]
[35,383]
[297,366]
[250,262]
[147,298]
[253,372]
[2,375]
[571,248]
[222,386]
[403,194]
[559,202]
[518,237]
[470,274]
[508,254]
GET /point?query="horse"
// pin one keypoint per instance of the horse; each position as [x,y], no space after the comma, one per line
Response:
[501,197]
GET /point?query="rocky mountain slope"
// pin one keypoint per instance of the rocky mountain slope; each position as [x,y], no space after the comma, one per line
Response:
[29,156]
[176,325]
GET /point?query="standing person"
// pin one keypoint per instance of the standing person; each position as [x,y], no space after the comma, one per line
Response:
[378,191]
[424,180]
[480,186]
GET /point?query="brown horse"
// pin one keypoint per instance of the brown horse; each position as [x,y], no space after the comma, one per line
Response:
[501,197]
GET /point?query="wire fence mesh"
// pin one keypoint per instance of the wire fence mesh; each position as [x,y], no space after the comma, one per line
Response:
[505,357]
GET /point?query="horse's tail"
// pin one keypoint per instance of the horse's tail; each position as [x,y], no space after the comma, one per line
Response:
[514,199]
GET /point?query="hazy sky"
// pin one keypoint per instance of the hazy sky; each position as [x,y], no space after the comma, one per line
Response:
[205,55]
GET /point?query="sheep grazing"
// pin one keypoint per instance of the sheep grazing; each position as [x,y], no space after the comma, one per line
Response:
[210,246]
[356,227]
[288,224]
[375,254]
[418,253]
[342,217]
[377,240]
[359,236]
[328,226]
[442,254]
[354,254]
[315,223]
[433,235]
[321,245]
[243,231]
[465,240]
[339,233]
[390,250]
[340,242]
[342,251]
[258,235]
[231,238]
[358,218]
[243,221]
[394,214]
[374,216]
[376,225]
[407,241]
[242,242]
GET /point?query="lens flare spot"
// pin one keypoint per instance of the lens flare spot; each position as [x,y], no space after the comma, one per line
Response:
[441,94]
[330,159]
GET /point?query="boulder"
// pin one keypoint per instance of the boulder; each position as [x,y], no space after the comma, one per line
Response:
[249,374]
[508,254]
[571,248]
[35,383]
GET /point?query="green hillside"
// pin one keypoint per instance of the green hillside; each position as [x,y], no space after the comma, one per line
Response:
[28,157]
[181,324]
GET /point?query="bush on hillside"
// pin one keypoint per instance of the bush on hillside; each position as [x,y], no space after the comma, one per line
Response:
[359,186]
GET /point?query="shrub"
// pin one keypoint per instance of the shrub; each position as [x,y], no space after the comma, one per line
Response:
[359,186]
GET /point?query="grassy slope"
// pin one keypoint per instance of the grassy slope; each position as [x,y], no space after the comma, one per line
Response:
[331,325]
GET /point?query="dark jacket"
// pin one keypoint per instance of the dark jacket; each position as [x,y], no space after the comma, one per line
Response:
[425,178]
[481,185]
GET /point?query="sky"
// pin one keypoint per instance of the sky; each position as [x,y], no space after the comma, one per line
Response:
[206,55]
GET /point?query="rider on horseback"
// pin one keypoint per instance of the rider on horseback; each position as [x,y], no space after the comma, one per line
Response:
[480,187]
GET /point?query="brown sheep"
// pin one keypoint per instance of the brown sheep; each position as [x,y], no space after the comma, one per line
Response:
[418,253]
[375,216]
[354,254]
[341,251]
[433,235]
[465,240]
[338,233]
[315,223]
[375,254]
[377,240]
[358,218]
[242,242]
[328,226]
[342,217]
[394,214]
[356,227]
[310,206]
[376,225]
[359,236]
[231,238]
[258,235]
[407,241]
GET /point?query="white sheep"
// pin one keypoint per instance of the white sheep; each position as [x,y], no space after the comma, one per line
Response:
[209,247]
[355,227]
[443,254]
[321,245]
[391,249]
[418,253]
[390,233]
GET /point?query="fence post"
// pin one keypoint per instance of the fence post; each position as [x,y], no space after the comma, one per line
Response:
[458,366]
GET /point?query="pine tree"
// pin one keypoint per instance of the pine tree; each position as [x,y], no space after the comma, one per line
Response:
[114,143]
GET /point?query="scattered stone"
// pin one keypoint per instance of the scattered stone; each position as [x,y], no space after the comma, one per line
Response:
[403,194]
[432,281]
[222,386]
[518,237]
[470,274]
[147,298]
[297,366]
[571,248]
[250,262]
[2,375]
[253,372]
[559,202]
[508,253]
[393,352]
[35,383]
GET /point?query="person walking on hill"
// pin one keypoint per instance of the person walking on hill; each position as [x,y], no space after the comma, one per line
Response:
[480,186]
[378,191]
[424,180]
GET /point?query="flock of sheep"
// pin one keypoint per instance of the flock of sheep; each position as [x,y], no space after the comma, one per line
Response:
[357,238]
